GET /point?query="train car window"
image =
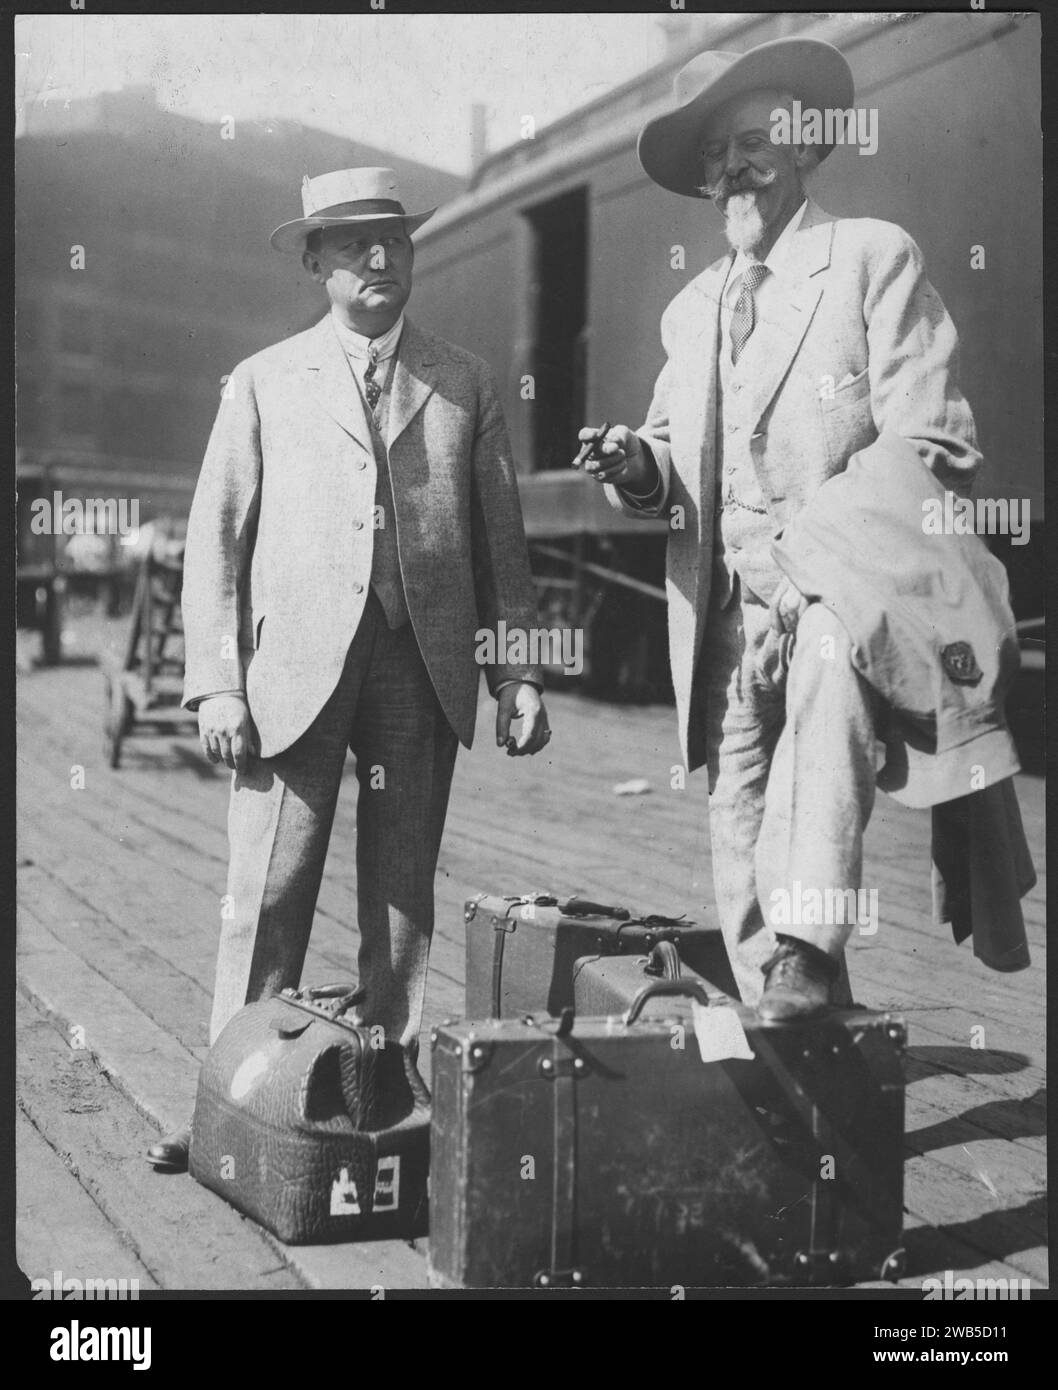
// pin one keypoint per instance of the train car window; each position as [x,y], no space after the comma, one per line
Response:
[558,313]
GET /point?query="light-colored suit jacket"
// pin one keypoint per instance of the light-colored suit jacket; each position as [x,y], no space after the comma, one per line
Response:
[859,342]
[277,565]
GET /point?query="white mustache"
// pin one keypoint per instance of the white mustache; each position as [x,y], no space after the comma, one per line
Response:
[716,193]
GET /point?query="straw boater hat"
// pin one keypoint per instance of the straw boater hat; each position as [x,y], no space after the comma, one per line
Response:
[815,72]
[344,198]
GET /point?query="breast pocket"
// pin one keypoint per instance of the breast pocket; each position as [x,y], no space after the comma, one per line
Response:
[849,390]
[847,420]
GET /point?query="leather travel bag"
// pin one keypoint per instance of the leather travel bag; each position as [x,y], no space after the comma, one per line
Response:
[313,1125]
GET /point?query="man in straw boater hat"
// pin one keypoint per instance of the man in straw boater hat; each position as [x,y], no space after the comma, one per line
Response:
[356,522]
[813,338]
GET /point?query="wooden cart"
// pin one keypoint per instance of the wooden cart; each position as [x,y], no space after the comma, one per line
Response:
[144,686]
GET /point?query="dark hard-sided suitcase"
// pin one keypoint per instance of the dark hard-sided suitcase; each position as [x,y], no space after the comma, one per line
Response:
[521,949]
[605,1153]
[612,984]
[316,1127]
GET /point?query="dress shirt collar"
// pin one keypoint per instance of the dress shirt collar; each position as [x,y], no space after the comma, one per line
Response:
[779,253]
[356,345]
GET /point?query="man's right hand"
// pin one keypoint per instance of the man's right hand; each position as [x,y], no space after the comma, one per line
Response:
[227,732]
[624,461]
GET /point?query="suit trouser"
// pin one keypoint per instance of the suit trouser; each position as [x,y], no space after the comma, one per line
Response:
[791,760]
[279,825]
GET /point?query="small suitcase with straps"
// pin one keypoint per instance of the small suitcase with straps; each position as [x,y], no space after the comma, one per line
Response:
[313,1124]
[521,949]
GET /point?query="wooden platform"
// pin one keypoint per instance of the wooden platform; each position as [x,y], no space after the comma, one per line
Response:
[121,881]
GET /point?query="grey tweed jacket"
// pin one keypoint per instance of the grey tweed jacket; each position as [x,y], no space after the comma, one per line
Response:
[277,564]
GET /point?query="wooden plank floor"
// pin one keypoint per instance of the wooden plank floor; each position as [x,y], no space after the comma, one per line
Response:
[120,882]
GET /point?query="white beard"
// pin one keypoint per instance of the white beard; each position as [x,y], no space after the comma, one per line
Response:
[743,224]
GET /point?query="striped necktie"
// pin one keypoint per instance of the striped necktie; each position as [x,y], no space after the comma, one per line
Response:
[372,390]
[744,316]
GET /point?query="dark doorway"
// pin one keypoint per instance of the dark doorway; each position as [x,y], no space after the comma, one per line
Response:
[558,309]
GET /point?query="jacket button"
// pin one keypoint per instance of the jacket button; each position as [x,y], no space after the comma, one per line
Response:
[358,525]
[358,588]
[362,463]
[732,429]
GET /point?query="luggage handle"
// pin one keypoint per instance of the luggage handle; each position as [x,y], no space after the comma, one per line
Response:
[328,991]
[654,922]
[664,960]
[312,1003]
[573,906]
[684,986]
[343,997]
[577,906]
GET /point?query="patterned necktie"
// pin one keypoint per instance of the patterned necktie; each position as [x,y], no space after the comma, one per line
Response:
[372,390]
[744,317]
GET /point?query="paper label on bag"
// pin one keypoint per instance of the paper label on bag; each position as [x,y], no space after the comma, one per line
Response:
[387,1184]
[345,1200]
[720,1033]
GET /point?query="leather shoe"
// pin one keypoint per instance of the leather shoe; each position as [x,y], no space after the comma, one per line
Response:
[797,980]
[171,1152]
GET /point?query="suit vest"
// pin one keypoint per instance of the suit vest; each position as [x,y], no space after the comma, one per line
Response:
[386,579]
[744,529]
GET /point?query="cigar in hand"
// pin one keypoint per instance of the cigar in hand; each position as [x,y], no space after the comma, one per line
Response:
[588,448]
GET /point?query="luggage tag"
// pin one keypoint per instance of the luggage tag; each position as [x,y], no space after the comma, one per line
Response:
[720,1033]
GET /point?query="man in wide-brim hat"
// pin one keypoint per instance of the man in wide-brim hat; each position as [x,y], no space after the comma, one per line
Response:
[355,526]
[812,340]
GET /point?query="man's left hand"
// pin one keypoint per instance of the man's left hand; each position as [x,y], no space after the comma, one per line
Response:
[786,607]
[521,701]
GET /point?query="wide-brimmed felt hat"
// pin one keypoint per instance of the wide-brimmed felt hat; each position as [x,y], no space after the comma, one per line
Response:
[343,198]
[816,73]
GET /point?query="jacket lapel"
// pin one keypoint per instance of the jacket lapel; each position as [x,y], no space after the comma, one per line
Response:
[331,379]
[705,327]
[794,304]
[413,380]
[700,357]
